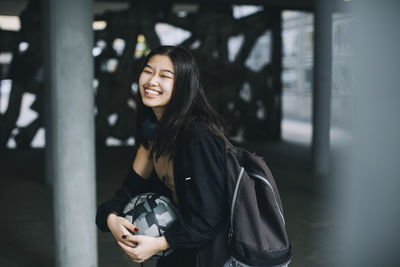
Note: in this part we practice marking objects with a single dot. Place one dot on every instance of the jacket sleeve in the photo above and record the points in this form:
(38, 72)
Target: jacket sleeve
(132, 185)
(203, 207)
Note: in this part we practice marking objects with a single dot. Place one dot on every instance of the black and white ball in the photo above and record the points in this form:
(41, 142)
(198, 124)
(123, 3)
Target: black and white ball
(151, 213)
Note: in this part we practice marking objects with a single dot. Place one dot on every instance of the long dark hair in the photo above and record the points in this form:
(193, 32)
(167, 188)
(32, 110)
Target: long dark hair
(188, 104)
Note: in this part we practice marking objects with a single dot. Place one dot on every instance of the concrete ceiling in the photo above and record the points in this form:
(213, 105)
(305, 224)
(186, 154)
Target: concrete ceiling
(14, 7)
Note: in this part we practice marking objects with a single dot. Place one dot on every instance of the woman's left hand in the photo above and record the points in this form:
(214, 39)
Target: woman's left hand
(146, 247)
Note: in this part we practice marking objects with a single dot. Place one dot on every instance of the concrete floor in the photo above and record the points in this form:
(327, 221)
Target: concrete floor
(26, 224)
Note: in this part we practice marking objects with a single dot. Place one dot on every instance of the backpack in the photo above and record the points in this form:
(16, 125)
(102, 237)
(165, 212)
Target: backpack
(257, 234)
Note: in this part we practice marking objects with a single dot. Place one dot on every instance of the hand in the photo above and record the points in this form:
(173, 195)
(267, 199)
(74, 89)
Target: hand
(146, 246)
(120, 227)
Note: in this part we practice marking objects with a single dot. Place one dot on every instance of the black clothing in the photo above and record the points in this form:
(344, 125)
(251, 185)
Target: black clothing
(199, 176)
(179, 258)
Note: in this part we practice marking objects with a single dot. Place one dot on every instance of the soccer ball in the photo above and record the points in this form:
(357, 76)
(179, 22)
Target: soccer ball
(152, 213)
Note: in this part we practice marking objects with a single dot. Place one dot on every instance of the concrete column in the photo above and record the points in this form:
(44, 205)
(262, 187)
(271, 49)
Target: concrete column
(322, 87)
(72, 141)
(49, 179)
(369, 176)
(277, 71)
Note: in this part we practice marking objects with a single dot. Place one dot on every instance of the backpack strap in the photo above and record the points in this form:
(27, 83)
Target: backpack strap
(238, 181)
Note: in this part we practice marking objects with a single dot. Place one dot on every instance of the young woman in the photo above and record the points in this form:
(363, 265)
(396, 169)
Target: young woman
(179, 138)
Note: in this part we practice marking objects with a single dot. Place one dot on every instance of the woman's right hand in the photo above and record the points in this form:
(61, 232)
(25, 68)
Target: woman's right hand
(119, 227)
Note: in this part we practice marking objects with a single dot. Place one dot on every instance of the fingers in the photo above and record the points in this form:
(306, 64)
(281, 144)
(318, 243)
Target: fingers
(126, 248)
(122, 237)
(126, 239)
(130, 252)
(129, 226)
(133, 238)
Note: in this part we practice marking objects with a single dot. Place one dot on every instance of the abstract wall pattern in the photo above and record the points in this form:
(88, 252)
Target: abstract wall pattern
(248, 97)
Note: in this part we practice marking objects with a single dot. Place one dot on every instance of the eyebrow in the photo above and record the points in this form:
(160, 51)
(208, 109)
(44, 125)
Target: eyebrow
(170, 71)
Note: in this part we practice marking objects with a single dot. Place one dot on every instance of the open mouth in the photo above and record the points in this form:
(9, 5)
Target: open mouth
(152, 92)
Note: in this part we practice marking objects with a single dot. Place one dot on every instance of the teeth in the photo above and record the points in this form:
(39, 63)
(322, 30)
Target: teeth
(152, 92)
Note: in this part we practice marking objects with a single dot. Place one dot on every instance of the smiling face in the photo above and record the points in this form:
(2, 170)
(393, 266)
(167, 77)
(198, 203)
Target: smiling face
(156, 83)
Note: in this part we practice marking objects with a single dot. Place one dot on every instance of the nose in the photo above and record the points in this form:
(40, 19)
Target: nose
(153, 80)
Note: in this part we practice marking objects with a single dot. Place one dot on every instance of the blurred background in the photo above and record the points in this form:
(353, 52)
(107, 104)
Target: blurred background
(264, 92)
(295, 82)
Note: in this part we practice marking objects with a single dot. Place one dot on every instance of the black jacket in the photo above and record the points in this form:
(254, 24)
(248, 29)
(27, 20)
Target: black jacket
(199, 175)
